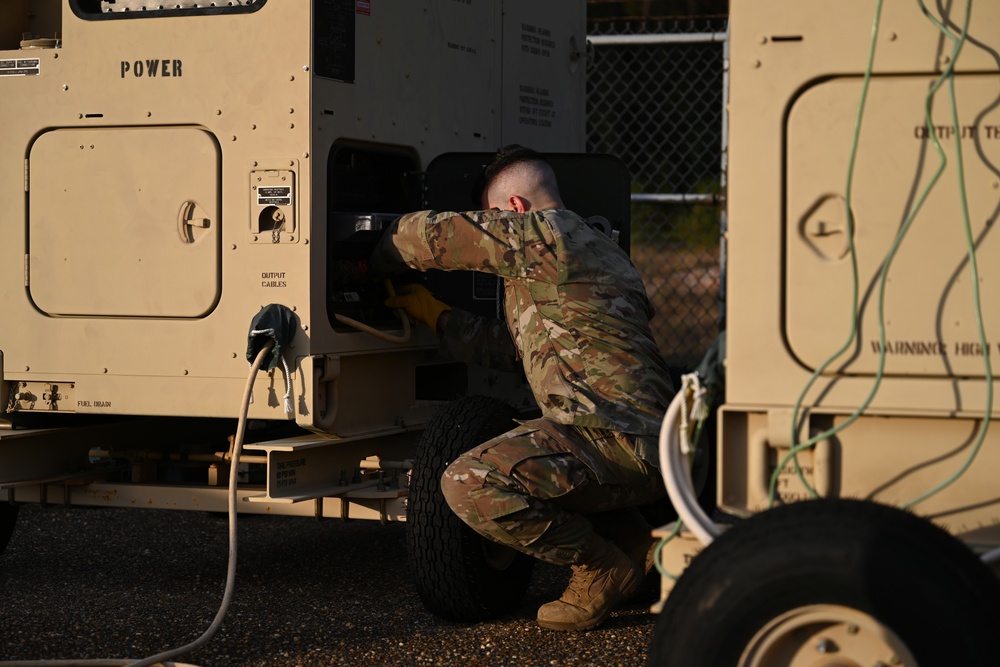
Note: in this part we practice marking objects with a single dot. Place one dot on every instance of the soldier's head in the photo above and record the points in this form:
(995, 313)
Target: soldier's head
(519, 179)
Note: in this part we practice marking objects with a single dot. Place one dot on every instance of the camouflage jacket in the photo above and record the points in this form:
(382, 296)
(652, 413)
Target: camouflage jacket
(575, 307)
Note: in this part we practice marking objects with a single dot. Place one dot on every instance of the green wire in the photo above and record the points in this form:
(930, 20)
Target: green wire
(947, 74)
(973, 267)
(854, 270)
(659, 549)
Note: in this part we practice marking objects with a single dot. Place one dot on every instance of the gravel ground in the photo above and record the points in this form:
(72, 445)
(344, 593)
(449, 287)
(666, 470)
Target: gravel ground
(127, 583)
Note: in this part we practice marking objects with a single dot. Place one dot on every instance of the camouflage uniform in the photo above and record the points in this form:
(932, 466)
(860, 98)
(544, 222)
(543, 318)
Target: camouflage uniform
(578, 316)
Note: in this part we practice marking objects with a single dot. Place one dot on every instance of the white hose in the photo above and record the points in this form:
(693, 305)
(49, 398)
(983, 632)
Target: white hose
(676, 473)
(991, 556)
(227, 597)
(98, 662)
(404, 320)
(361, 326)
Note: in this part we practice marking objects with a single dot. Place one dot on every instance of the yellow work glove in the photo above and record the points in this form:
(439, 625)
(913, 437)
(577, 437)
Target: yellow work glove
(419, 304)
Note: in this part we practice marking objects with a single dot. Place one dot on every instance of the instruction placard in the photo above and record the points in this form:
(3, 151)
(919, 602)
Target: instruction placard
(20, 66)
(274, 195)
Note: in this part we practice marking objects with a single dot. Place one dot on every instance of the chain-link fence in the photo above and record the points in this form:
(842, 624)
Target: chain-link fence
(655, 100)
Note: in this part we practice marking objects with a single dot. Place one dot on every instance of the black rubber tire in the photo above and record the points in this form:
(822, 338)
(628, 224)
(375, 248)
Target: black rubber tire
(8, 519)
(459, 575)
(904, 572)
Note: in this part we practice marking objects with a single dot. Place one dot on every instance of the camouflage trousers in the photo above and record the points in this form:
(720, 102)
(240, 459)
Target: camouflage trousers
(533, 487)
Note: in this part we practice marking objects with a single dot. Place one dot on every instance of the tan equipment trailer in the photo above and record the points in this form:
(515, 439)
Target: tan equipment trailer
(168, 170)
(877, 375)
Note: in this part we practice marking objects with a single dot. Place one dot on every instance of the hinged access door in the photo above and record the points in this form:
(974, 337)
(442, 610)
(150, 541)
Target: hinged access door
(124, 222)
(901, 213)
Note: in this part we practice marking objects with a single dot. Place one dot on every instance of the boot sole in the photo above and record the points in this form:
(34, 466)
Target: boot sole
(574, 627)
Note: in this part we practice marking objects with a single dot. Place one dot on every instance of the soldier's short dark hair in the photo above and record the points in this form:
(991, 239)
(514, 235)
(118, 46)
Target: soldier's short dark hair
(505, 157)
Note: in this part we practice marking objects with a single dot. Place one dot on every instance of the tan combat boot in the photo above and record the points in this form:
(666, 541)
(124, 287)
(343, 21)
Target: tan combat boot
(605, 577)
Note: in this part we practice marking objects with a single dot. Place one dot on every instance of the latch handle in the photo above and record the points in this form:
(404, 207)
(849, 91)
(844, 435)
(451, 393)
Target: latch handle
(187, 220)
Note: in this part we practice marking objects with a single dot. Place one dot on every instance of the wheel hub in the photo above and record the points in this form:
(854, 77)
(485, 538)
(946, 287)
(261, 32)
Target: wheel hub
(825, 636)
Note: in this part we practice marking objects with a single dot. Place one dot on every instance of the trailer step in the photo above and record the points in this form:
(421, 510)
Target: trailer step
(299, 469)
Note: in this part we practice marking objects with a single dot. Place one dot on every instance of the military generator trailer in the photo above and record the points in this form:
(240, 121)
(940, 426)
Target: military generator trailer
(855, 441)
(171, 170)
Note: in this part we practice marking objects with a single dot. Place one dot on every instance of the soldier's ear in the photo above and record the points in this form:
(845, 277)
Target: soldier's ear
(519, 204)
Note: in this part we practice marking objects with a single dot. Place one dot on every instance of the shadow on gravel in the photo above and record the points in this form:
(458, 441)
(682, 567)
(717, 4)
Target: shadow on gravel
(114, 583)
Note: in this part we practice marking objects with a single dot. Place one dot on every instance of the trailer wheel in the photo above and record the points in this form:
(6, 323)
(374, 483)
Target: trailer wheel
(8, 518)
(460, 576)
(831, 582)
